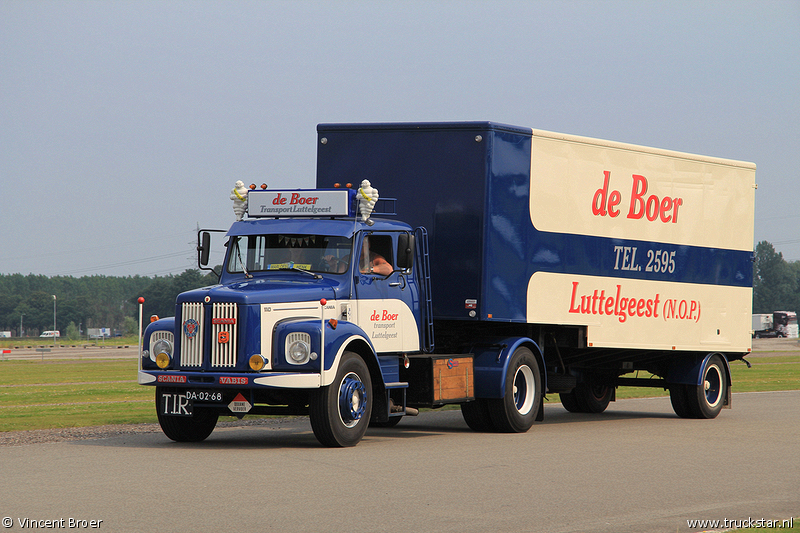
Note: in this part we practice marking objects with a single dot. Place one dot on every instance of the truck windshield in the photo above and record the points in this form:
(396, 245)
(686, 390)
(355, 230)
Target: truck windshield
(315, 253)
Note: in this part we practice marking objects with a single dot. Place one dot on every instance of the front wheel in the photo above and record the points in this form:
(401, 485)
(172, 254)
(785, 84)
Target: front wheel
(516, 411)
(340, 412)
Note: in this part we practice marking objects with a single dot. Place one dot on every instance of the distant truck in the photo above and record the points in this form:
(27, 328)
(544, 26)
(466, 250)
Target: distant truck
(777, 324)
(497, 264)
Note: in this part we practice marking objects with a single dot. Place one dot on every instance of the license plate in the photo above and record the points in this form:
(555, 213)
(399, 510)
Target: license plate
(203, 395)
(182, 403)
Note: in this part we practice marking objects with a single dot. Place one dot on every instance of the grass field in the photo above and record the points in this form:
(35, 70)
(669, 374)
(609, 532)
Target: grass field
(75, 393)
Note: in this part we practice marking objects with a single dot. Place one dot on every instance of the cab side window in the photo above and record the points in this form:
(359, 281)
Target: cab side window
(376, 255)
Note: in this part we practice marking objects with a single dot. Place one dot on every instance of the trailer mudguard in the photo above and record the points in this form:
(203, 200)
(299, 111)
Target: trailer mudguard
(491, 364)
(689, 370)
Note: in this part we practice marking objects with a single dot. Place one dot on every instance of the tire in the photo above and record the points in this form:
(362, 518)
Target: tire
(593, 398)
(587, 397)
(516, 411)
(707, 400)
(702, 401)
(340, 413)
(195, 428)
(680, 401)
(476, 415)
(570, 402)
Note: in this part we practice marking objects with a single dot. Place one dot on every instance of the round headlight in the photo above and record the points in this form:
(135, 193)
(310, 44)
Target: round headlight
(299, 352)
(298, 348)
(162, 353)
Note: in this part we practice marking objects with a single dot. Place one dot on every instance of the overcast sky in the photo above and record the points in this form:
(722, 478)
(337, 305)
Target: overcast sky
(124, 125)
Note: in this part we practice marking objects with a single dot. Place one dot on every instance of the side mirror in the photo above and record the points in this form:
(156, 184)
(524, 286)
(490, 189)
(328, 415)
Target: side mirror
(405, 251)
(203, 248)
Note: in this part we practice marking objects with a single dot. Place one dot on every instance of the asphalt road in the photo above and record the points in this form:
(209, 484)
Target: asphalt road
(636, 468)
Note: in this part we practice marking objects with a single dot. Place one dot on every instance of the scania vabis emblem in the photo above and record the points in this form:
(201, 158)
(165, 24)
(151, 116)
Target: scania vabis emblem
(190, 328)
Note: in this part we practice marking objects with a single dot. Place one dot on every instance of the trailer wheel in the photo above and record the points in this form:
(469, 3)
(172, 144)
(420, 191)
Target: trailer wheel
(587, 397)
(516, 411)
(193, 428)
(680, 401)
(570, 402)
(706, 400)
(592, 397)
(340, 412)
(476, 415)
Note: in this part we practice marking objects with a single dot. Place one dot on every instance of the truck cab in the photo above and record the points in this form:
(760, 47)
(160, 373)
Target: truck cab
(312, 315)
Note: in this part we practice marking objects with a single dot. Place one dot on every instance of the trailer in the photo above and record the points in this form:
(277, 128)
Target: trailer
(497, 264)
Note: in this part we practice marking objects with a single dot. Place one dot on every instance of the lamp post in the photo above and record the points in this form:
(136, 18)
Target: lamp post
(54, 321)
(20, 323)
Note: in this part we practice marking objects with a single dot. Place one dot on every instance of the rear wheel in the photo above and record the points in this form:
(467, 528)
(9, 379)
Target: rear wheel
(516, 411)
(593, 398)
(707, 399)
(340, 412)
(476, 415)
(587, 397)
(680, 401)
(193, 428)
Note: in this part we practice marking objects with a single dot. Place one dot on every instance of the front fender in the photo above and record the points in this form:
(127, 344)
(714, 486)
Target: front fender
(163, 324)
(491, 364)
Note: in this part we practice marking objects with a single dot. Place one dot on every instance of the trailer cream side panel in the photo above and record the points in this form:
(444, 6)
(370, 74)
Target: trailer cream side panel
(659, 215)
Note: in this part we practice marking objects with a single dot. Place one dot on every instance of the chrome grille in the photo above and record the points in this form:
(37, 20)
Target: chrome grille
(161, 335)
(192, 334)
(224, 317)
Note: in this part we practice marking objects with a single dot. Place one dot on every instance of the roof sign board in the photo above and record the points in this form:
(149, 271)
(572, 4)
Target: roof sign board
(298, 203)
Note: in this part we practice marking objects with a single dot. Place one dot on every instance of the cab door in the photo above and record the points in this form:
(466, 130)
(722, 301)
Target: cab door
(387, 298)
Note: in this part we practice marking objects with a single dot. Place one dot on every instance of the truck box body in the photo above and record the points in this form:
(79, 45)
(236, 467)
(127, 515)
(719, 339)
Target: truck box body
(641, 248)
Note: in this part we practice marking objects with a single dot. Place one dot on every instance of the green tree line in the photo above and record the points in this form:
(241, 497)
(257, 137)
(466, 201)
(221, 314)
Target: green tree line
(89, 301)
(776, 282)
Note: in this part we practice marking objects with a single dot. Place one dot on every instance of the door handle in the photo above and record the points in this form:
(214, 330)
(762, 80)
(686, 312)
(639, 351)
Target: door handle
(401, 282)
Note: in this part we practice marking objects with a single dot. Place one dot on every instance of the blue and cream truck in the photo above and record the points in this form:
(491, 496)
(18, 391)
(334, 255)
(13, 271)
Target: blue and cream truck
(472, 263)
